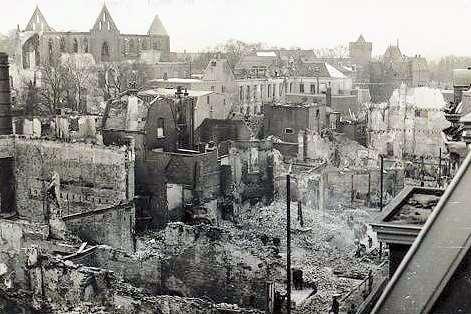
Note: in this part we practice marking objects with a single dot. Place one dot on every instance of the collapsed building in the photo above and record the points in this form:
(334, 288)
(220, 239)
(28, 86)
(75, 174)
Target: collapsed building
(410, 124)
(68, 218)
(176, 170)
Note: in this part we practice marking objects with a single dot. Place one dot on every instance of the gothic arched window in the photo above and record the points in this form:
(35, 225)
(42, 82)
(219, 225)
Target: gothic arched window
(105, 52)
(50, 47)
(75, 45)
(85, 45)
(131, 45)
(62, 44)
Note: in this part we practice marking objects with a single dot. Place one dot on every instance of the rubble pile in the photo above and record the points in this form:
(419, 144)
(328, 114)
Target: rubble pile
(323, 248)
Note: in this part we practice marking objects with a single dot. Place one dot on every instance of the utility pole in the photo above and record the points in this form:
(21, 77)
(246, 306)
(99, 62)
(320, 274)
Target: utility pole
(439, 179)
(288, 242)
(381, 182)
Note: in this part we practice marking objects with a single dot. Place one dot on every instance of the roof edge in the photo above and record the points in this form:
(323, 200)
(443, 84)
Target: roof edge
(415, 246)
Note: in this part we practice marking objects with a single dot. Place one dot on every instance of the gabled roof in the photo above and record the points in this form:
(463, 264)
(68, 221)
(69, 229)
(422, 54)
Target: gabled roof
(361, 39)
(218, 70)
(320, 69)
(104, 21)
(392, 53)
(248, 62)
(436, 253)
(38, 23)
(157, 28)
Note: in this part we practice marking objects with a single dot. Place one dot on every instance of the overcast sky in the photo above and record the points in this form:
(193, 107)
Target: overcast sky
(427, 27)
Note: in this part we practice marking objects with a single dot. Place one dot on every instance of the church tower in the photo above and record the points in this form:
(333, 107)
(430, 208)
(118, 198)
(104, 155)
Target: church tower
(360, 51)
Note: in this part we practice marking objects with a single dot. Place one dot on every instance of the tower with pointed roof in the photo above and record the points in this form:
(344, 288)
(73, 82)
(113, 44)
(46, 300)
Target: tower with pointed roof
(360, 51)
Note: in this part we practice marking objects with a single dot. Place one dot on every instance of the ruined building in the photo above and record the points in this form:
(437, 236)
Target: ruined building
(68, 237)
(39, 41)
(411, 123)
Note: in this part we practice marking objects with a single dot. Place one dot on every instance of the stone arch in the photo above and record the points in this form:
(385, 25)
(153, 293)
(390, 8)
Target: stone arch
(105, 52)
(30, 52)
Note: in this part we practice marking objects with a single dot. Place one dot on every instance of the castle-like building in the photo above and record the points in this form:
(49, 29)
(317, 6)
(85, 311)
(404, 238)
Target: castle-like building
(386, 73)
(360, 51)
(38, 42)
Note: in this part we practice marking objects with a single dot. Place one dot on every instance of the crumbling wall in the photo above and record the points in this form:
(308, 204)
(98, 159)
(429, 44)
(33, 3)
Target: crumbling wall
(17, 234)
(140, 271)
(187, 261)
(66, 284)
(113, 226)
(197, 173)
(91, 177)
(252, 170)
(348, 186)
(318, 147)
(173, 304)
(411, 123)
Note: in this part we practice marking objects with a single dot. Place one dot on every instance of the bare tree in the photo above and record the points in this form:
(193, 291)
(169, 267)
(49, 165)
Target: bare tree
(83, 80)
(340, 52)
(118, 77)
(55, 82)
(62, 83)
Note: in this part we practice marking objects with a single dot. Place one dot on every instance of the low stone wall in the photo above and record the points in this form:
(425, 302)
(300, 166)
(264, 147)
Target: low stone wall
(112, 226)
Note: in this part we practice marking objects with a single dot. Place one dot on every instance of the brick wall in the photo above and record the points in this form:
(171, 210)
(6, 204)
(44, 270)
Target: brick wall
(91, 177)
(297, 118)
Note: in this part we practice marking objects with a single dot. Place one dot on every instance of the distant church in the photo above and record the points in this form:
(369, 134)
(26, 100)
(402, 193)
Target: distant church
(39, 42)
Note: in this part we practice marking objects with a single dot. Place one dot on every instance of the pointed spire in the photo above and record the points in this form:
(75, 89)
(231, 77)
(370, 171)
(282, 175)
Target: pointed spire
(38, 23)
(361, 39)
(104, 21)
(157, 28)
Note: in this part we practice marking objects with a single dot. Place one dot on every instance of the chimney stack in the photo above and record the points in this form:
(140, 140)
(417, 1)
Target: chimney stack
(5, 96)
(328, 96)
(7, 178)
